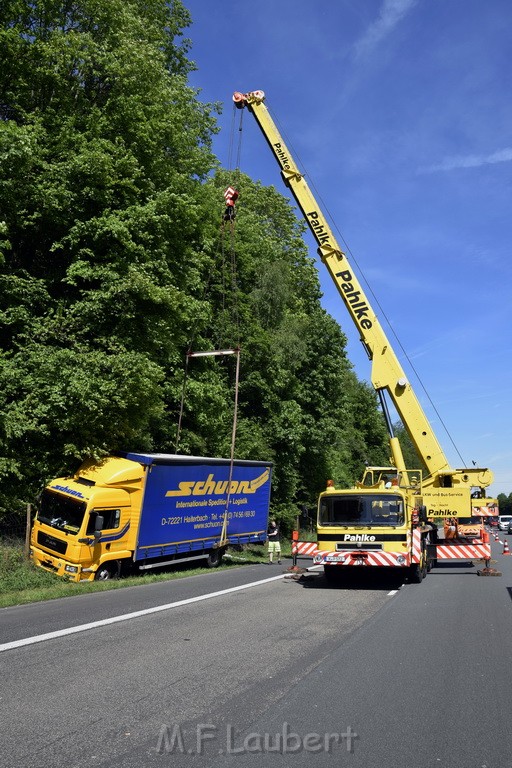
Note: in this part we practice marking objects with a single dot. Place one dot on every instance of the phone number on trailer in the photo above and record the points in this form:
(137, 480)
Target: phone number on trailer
(179, 519)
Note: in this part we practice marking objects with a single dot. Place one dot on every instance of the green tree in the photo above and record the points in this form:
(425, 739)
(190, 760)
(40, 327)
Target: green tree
(103, 150)
(505, 503)
(113, 265)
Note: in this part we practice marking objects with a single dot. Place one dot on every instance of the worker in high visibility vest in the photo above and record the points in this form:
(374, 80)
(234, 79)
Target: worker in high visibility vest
(450, 528)
(231, 196)
(274, 542)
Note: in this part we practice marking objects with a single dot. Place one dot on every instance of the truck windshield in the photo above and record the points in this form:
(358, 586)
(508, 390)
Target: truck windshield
(61, 512)
(364, 510)
(469, 520)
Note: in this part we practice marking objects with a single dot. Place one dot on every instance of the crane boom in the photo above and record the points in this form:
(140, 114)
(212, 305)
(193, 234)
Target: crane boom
(387, 374)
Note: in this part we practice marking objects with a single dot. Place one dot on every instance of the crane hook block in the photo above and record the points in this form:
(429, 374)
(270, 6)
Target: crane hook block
(241, 99)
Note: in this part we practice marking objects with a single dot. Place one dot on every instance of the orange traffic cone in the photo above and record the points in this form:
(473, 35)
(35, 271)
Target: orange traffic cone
(505, 548)
(496, 537)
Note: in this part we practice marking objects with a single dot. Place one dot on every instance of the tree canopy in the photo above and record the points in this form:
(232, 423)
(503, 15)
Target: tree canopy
(112, 265)
(505, 503)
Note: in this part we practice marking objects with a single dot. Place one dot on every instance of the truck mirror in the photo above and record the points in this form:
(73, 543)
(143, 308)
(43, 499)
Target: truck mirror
(98, 526)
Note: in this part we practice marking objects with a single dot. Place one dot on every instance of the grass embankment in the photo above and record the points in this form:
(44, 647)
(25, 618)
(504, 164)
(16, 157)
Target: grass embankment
(21, 582)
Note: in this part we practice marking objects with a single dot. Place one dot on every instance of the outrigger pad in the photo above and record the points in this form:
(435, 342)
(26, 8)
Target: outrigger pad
(489, 572)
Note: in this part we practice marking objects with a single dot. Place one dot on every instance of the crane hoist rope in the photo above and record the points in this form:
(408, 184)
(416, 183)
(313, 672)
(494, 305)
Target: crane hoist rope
(235, 113)
(231, 321)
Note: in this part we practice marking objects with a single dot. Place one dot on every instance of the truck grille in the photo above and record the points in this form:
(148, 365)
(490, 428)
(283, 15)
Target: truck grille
(51, 543)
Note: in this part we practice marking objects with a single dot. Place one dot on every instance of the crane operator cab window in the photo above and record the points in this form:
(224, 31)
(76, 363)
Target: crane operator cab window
(367, 510)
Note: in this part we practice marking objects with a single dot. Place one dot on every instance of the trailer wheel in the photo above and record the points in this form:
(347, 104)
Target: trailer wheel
(214, 558)
(107, 572)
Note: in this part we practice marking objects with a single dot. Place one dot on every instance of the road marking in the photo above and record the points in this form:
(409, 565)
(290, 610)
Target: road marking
(128, 616)
(393, 592)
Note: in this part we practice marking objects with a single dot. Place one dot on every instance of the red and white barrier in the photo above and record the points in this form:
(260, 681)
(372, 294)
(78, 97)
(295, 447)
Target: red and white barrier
(309, 548)
(416, 546)
(462, 551)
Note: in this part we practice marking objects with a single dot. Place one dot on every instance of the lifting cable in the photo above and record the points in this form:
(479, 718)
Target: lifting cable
(228, 218)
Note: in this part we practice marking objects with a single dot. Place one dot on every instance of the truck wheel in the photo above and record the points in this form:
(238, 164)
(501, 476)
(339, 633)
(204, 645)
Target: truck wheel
(214, 558)
(416, 574)
(107, 572)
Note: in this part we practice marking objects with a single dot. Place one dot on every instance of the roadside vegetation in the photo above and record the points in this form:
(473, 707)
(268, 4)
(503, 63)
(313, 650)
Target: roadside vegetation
(21, 582)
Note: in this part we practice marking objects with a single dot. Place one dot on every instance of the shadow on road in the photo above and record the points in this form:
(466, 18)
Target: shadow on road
(361, 580)
(444, 569)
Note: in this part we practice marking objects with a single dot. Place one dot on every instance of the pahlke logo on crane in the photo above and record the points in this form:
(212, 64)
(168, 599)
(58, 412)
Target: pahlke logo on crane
(364, 537)
(321, 233)
(360, 308)
(213, 487)
(285, 160)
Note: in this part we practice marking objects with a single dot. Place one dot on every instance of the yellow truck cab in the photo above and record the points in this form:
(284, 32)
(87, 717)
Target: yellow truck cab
(84, 522)
(378, 523)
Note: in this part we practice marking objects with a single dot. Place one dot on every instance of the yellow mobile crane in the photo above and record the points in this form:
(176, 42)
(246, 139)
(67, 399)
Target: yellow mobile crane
(387, 519)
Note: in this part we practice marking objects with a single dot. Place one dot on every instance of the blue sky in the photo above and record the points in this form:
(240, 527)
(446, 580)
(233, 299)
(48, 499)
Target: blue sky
(400, 113)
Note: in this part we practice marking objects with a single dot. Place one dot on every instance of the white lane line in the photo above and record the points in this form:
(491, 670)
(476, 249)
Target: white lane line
(393, 592)
(128, 616)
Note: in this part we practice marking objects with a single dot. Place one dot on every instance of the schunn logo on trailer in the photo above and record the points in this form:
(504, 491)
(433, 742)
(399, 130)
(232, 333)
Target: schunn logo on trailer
(212, 487)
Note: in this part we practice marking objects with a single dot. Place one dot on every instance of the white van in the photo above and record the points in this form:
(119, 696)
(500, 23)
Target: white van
(503, 521)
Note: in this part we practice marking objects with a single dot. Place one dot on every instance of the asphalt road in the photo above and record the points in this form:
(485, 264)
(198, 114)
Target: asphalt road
(364, 674)
(54, 615)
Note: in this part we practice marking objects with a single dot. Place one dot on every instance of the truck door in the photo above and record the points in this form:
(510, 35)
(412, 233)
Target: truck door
(113, 533)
